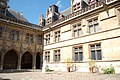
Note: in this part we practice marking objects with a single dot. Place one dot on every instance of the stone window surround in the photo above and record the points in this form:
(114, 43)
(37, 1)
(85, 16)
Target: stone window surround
(14, 35)
(78, 52)
(30, 38)
(47, 38)
(77, 28)
(58, 55)
(47, 56)
(92, 18)
(94, 44)
(58, 35)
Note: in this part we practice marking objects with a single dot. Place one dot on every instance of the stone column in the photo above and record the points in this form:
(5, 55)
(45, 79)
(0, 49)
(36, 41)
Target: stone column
(34, 62)
(1, 63)
(19, 61)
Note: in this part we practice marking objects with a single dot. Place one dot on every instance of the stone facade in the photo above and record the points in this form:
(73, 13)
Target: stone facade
(20, 42)
(91, 32)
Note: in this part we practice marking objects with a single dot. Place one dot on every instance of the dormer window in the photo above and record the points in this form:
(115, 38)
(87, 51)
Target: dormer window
(77, 6)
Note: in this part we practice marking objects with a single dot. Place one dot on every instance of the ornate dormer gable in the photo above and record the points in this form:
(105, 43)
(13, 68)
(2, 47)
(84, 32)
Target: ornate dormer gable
(93, 1)
(52, 14)
(78, 4)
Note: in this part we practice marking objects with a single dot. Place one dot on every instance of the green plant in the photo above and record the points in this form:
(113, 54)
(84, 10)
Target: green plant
(47, 69)
(109, 70)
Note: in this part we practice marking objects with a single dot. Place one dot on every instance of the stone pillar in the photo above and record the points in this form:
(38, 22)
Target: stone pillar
(1, 63)
(34, 62)
(19, 61)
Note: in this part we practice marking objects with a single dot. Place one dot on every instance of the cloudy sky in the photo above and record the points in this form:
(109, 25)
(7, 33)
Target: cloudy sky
(32, 9)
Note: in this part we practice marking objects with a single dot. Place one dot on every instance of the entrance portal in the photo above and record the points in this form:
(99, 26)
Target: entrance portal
(38, 58)
(10, 60)
(26, 62)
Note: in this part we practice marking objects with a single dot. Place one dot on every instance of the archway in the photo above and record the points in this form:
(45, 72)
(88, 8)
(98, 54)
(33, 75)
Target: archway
(26, 62)
(38, 61)
(10, 60)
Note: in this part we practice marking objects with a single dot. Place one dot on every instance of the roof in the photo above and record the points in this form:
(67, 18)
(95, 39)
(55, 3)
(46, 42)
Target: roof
(66, 11)
(16, 15)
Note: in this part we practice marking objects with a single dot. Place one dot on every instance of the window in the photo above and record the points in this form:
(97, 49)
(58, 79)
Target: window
(57, 55)
(29, 38)
(15, 35)
(57, 36)
(40, 39)
(77, 30)
(96, 52)
(78, 52)
(1, 32)
(93, 25)
(47, 56)
(77, 7)
(47, 39)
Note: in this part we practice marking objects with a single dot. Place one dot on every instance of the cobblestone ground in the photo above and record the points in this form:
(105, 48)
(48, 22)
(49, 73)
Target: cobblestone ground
(38, 75)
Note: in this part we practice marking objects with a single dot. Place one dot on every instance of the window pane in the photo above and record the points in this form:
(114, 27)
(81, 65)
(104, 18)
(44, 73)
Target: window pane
(92, 46)
(80, 56)
(98, 46)
(58, 57)
(79, 32)
(96, 27)
(76, 49)
(80, 49)
(99, 56)
(75, 33)
(76, 56)
(91, 29)
(93, 56)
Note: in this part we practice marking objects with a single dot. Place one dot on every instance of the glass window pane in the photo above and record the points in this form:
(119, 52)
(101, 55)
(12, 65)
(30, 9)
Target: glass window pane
(76, 56)
(79, 32)
(93, 56)
(92, 46)
(98, 46)
(80, 49)
(91, 29)
(76, 49)
(99, 56)
(81, 56)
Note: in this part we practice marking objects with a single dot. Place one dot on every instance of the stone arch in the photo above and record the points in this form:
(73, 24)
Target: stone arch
(38, 60)
(26, 60)
(10, 60)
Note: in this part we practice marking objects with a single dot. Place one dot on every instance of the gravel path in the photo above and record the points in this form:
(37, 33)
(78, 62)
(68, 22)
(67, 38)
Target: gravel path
(38, 75)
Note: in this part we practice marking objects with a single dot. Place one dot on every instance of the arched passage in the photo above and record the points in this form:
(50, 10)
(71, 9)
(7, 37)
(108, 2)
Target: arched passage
(38, 61)
(26, 62)
(10, 60)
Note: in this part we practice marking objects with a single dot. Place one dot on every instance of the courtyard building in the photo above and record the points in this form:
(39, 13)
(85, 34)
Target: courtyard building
(20, 41)
(89, 29)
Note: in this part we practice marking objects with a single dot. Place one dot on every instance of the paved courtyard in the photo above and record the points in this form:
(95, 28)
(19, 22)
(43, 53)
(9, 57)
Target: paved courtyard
(38, 75)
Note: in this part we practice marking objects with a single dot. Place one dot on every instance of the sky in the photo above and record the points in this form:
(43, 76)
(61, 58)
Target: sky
(32, 9)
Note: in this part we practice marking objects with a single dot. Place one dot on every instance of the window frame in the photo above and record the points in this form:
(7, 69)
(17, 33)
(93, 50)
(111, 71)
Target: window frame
(91, 23)
(78, 28)
(78, 53)
(47, 56)
(57, 36)
(95, 49)
(57, 55)
(47, 38)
